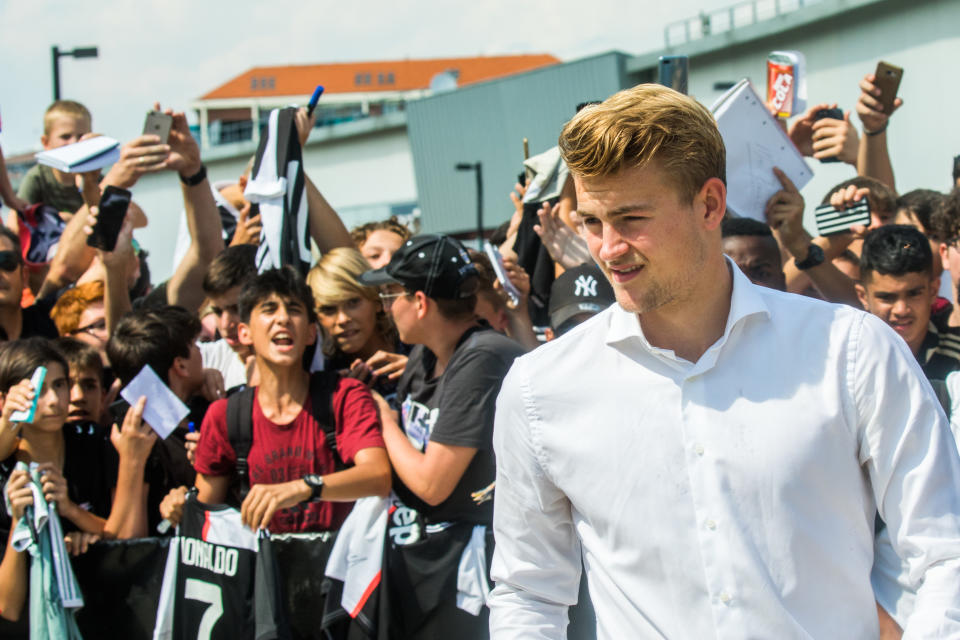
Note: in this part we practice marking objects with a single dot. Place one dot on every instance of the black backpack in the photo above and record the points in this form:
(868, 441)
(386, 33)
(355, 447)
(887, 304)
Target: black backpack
(240, 423)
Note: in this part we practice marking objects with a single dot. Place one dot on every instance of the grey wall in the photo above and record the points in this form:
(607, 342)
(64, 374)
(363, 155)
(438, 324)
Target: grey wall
(487, 123)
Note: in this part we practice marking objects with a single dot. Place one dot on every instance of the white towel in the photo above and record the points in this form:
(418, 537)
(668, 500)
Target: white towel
(473, 587)
(357, 554)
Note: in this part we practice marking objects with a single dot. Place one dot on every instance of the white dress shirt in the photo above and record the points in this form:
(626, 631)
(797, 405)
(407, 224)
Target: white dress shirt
(733, 497)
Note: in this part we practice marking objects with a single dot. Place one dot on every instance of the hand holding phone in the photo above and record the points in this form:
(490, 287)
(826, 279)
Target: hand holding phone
(887, 78)
(158, 124)
(832, 114)
(113, 209)
(831, 221)
(36, 381)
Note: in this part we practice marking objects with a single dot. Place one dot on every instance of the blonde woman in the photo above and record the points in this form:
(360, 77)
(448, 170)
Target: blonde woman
(358, 336)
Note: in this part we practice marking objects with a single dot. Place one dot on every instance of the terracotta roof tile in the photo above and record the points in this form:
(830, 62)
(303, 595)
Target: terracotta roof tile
(388, 75)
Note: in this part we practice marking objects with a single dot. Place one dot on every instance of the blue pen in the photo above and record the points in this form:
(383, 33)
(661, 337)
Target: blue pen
(314, 99)
(191, 427)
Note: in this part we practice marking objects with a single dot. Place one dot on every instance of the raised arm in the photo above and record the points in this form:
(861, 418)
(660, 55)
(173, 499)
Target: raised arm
(784, 214)
(203, 218)
(873, 159)
(133, 441)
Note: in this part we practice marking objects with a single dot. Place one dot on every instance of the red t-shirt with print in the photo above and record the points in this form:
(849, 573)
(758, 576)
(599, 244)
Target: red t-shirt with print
(284, 452)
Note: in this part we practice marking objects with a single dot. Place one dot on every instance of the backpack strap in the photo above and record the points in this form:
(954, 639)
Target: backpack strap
(240, 433)
(322, 385)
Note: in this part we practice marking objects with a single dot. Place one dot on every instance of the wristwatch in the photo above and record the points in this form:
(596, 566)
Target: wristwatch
(315, 482)
(814, 257)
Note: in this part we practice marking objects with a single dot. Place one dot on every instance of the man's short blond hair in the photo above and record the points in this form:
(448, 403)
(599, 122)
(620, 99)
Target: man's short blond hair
(64, 108)
(646, 123)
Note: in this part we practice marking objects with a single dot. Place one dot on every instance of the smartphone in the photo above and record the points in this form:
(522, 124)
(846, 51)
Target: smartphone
(113, 208)
(833, 114)
(887, 79)
(158, 124)
(831, 222)
(500, 270)
(673, 72)
(118, 411)
(36, 381)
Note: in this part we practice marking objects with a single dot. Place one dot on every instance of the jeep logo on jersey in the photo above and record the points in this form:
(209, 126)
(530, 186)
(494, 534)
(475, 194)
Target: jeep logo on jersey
(586, 286)
(418, 421)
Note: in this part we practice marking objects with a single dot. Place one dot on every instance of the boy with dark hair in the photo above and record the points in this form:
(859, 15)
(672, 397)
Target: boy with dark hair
(442, 449)
(165, 339)
(897, 285)
(222, 284)
(750, 244)
(296, 483)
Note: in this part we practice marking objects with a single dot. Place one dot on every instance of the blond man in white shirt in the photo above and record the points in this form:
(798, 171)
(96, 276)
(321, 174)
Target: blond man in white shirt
(714, 451)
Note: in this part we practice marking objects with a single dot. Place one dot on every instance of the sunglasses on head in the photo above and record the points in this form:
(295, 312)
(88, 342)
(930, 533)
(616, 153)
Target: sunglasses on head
(9, 260)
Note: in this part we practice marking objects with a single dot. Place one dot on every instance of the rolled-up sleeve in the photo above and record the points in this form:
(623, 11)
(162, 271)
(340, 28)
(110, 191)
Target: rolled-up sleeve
(536, 564)
(914, 467)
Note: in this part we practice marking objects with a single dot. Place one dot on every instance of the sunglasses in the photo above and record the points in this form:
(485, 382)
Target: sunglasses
(9, 261)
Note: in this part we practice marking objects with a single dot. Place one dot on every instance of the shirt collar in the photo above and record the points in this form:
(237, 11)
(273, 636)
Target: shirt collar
(746, 300)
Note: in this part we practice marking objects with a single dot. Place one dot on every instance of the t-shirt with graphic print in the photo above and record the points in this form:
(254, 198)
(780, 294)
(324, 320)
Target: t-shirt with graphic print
(284, 452)
(457, 409)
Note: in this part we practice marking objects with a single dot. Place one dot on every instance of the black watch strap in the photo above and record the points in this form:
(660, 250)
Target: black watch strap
(196, 178)
(814, 257)
(315, 482)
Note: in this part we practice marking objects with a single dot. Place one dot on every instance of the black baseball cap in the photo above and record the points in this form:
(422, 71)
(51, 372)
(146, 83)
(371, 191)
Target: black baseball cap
(435, 264)
(582, 289)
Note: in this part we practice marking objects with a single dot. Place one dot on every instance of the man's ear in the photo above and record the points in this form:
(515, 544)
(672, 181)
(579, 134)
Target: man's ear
(862, 295)
(44, 139)
(944, 251)
(244, 335)
(935, 286)
(179, 368)
(423, 304)
(713, 199)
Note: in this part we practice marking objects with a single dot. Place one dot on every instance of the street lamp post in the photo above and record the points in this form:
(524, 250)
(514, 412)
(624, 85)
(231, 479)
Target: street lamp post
(80, 52)
(478, 168)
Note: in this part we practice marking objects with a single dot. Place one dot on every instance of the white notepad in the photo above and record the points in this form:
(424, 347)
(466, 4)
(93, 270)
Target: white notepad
(164, 410)
(88, 155)
(755, 145)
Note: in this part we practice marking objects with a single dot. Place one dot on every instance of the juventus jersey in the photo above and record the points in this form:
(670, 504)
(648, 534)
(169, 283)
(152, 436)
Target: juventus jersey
(208, 583)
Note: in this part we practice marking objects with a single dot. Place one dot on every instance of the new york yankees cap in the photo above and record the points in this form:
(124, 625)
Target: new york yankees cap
(583, 289)
(436, 264)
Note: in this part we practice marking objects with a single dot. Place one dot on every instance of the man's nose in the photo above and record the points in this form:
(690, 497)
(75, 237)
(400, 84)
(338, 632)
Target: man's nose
(612, 245)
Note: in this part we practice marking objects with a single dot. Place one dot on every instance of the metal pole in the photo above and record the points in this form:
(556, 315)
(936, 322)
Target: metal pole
(479, 169)
(55, 52)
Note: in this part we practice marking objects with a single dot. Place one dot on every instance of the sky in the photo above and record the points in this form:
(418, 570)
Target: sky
(176, 50)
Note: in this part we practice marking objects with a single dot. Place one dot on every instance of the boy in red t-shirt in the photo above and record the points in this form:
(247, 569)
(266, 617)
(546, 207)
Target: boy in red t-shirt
(293, 485)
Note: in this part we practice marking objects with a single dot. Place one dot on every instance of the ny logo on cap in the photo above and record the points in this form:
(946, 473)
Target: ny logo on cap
(586, 286)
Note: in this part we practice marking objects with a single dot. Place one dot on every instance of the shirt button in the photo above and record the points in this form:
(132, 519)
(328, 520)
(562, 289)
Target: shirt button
(725, 597)
(698, 449)
(712, 525)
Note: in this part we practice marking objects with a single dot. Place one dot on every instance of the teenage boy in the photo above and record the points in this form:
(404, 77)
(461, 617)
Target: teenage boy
(222, 284)
(897, 285)
(751, 245)
(442, 449)
(294, 486)
(165, 339)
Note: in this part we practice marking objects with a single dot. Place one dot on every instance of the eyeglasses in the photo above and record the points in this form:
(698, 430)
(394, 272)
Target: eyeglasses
(9, 261)
(387, 298)
(93, 327)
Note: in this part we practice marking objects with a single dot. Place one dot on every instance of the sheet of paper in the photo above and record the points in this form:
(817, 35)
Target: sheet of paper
(87, 155)
(164, 410)
(755, 145)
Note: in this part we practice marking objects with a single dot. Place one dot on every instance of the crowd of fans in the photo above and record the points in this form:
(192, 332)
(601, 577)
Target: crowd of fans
(376, 373)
